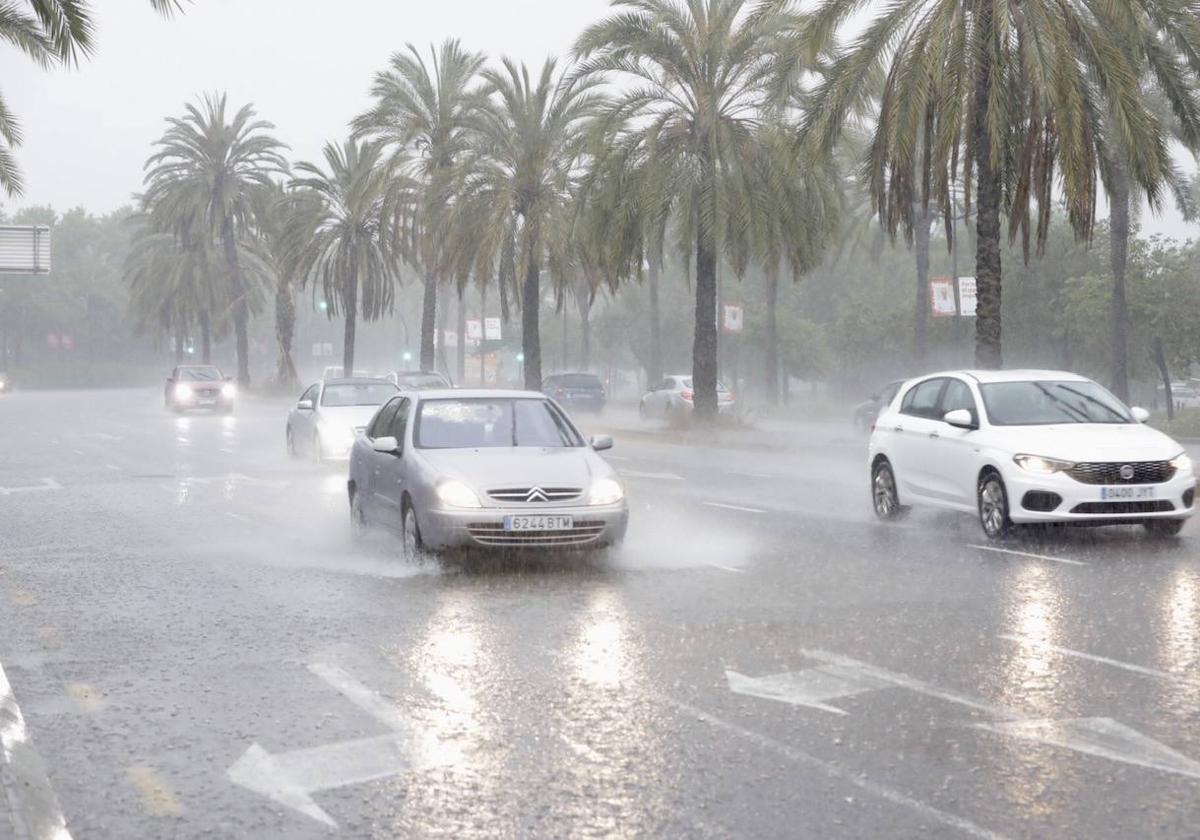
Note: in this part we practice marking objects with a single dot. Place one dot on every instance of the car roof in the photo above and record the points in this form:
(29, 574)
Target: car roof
(419, 373)
(478, 393)
(1018, 375)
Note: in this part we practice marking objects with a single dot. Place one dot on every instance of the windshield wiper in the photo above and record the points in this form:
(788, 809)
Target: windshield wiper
(1092, 399)
(1082, 415)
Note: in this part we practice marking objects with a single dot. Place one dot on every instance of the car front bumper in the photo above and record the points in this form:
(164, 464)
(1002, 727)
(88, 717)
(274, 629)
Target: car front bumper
(211, 404)
(593, 526)
(1083, 503)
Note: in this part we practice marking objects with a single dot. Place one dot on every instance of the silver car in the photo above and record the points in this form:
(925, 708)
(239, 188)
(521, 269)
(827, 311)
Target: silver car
(329, 414)
(484, 469)
(673, 398)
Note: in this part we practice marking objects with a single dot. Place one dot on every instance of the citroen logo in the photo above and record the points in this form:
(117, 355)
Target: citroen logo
(536, 495)
(1127, 472)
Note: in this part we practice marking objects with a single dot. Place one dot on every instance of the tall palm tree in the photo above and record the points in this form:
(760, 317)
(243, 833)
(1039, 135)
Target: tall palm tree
(203, 182)
(343, 233)
(693, 73)
(51, 32)
(425, 111)
(1009, 97)
(529, 142)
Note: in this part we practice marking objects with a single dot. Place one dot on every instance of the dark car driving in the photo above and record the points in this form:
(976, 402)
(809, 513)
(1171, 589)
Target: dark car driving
(582, 391)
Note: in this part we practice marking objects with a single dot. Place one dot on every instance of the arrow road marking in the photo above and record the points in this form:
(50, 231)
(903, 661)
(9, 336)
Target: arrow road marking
(840, 676)
(367, 699)
(46, 484)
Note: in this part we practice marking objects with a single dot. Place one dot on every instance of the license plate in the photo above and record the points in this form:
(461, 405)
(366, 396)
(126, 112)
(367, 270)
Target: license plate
(207, 400)
(538, 523)
(1126, 494)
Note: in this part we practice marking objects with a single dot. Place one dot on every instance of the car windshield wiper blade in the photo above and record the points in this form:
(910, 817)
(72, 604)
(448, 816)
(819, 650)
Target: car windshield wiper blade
(1092, 399)
(1070, 409)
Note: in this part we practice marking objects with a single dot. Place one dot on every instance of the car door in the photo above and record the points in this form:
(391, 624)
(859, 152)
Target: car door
(915, 431)
(955, 463)
(369, 469)
(303, 424)
(388, 482)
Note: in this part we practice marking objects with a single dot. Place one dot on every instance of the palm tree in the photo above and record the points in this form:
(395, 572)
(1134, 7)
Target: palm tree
(529, 141)
(203, 183)
(278, 208)
(1009, 97)
(425, 111)
(169, 288)
(50, 32)
(693, 99)
(343, 233)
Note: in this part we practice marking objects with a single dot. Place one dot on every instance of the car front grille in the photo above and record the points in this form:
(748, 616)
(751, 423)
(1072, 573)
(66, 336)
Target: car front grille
(493, 534)
(535, 495)
(1158, 506)
(1144, 472)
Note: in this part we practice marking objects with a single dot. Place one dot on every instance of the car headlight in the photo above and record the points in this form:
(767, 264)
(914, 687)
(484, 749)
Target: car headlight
(228, 391)
(456, 494)
(335, 432)
(606, 491)
(183, 391)
(1042, 466)
(1182, 462)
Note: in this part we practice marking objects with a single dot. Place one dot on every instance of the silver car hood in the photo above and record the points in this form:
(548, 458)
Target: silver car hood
(513, 467)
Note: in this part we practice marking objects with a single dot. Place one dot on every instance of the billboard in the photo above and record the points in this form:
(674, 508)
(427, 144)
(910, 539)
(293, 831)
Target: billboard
(474, 329)
(966, 297)
(24, 249)
(941, 297)
(732, 317)
(491, 329)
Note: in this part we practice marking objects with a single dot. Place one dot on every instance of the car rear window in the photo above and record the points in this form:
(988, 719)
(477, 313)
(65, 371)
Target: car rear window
(580, 380)
(687, 383)
(365, 393)
(485, 423)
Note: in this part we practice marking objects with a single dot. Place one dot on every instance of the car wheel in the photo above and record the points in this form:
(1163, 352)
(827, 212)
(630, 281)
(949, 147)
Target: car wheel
(993, 507)
(358, 518)
(1163, 527)
(883, 492)
(414, 550)
(291, 443)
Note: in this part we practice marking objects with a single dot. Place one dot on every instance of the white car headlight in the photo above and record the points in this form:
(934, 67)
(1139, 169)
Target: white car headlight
(183, 391)
(1042, 466)
(1182, 462)
(456, 494)
(606, 491)
(228, 391)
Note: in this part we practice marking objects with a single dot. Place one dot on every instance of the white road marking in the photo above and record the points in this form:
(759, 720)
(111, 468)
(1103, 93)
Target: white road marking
(724, 506)
(615, 458)
(1104, 660)
(23, 778)
(1103, 737)
(235, 478)
(238, 516)
(832, 770)
(750, 474)
(78, 452)
(661, 476)
(811, 687)
(99, 436)
(112, 467)
(367, 699)
(727, 568)
(46, 484)
(1048, 557)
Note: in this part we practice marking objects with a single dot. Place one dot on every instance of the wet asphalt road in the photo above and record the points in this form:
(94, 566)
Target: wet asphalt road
(197, 650)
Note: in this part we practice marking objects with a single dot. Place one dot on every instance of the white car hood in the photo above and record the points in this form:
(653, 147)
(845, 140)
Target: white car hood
(352, 416)
(512, 467)
(1089, 442)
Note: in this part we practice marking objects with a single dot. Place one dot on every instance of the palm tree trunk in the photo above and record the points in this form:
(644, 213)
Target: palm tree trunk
(350, 301)
(1160, 361)
(241, 307)
(704, 344)
(178, 348)
(285, 329)
(772, 350)
(1118, 233)
(988, 352)
(443, 312)
(461, 368)
(428, 321)
(206, 336)
(654, 372)
(921, 303)
(585, 332)
(531, 298)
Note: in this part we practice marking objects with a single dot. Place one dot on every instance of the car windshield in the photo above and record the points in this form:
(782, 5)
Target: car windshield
(357, 393)
(200, 374)
(490, 422)
(420, 380)
(1048, 403)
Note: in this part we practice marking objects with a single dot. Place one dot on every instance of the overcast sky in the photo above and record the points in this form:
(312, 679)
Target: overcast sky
(307, 67)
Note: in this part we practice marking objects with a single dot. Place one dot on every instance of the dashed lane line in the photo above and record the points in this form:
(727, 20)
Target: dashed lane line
(1103, 660)
(724, 506)
(727, 568)
(660, 476)
(23, 780)
(1046, 557)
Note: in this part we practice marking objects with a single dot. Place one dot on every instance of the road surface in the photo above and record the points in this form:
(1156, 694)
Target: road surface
(190, 646)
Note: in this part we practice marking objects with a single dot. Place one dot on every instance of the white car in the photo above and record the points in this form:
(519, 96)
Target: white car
(331, 412)
(673, 397)
(1027, 446)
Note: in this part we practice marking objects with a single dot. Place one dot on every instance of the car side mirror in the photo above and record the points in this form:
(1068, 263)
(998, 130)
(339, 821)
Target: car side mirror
(960, 418)
(1140, 414)
(305, 405)
(601, 442)
(386, 445)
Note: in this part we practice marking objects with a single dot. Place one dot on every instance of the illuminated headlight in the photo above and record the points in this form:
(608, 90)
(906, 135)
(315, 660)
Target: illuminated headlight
(1040, 465)
(336, 433)
(228, 391)
(606, 491)
(456, 494)
(183, 391)
(1182, 462)
(3, 384)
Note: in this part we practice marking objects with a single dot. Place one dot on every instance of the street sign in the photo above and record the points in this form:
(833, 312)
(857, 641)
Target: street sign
(941, 297)
(491, 329)
(474, 329)
(966, 297)
(24, 249)
(732, 316)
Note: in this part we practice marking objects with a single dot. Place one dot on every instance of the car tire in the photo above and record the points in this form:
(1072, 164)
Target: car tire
(358, 519)
(992, 500)
(884, 496)
(1162, 528)
(642, 410)
(413, 548)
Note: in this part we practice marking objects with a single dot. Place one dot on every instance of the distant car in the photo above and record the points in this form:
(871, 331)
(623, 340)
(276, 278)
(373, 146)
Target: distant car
(1026, 446)
(330, 413)
(5, 384)
(582, 391)
(673, 397)
(199, 386)
(866, 411)
(484, 469)
(1183, 394)
(418, 380)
